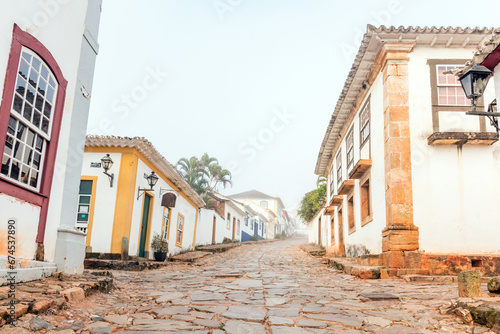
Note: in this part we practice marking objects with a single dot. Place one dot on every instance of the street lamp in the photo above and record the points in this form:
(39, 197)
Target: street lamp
(321, 201)
(474, 83)
(152, 179)
(107, 162)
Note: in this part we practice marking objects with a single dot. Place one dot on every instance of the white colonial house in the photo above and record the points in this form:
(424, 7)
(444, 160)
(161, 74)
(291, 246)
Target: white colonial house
(47, 58)
(409, 173)
(118, 203)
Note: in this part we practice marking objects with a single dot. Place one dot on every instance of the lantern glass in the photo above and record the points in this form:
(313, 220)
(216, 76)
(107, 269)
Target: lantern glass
(107, 162)
(152, 179)
(474, 81)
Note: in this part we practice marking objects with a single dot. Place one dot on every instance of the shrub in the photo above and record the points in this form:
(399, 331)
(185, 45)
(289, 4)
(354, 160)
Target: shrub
(158, 244)
(254, 238)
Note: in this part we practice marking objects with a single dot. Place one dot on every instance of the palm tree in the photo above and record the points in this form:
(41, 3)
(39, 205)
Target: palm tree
(218, 175)
(203, 174)
(191, 171)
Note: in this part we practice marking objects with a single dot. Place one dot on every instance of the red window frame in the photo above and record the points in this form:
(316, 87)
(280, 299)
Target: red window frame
(40, 198)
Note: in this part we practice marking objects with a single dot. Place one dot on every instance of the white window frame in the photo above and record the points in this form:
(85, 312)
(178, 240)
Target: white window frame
(457, 85)
(18, 116)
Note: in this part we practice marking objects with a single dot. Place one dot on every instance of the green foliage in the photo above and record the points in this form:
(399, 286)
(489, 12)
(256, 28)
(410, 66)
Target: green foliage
(309, 205)
(280, 235)
(254, 238)
(158, 244)
(204, 174)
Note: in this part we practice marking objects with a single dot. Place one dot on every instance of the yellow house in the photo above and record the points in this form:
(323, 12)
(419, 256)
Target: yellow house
(118, 202)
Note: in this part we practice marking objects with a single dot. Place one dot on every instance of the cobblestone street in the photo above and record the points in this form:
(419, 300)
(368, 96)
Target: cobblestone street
(261, 288)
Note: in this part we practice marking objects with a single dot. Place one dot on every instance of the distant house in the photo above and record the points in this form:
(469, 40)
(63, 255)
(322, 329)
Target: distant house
(46, 74)
(280, 222)
(124, 206)
(408, 172)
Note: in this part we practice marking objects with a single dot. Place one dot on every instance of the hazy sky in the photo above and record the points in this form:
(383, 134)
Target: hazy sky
(251, 82)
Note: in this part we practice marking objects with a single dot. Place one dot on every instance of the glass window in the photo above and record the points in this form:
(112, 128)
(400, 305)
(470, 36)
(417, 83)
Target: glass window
(30, 121)
(84, 202)
(350, 148)
(449, 90)
(364, 123)
(166, 214)
(264, 204)
(339, 168)
(180, 226)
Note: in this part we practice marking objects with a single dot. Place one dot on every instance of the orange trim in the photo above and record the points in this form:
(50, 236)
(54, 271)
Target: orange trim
(195, 227)
(177, 230)
(125, 196)
(92, 206)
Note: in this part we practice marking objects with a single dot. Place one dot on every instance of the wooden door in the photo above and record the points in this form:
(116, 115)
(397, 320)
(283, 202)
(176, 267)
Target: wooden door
(144, 225)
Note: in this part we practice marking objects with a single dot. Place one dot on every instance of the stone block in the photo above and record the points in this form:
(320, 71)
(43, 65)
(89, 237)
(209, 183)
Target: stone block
(494, 285)
(392, 259)
(384, 274)
(41, 306)
(124, 252)
(73, 294)
(469, 284)
(400, 240)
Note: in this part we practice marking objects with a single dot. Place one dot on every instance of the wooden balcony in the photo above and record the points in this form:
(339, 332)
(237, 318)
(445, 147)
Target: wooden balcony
(462, 138)
(346, 187)
(360, 168)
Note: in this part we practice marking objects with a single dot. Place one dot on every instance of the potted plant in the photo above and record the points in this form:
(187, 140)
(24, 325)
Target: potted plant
(160, 247)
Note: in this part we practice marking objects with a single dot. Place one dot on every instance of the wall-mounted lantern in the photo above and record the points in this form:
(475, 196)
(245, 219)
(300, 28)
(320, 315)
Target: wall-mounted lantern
(107, 162)
(321, 201)
(152, 179)
(474, 83)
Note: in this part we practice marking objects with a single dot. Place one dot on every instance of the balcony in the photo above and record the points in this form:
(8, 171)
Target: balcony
(462, 138)
(360, 168)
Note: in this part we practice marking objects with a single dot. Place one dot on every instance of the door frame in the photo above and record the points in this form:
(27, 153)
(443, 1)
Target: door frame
(148, 228)
(319, 230)
(213, 230)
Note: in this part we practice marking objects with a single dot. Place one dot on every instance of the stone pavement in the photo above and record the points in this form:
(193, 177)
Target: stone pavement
(259, 288)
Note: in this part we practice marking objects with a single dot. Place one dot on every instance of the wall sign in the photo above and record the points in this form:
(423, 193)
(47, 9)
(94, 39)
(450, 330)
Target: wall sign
(95, 165)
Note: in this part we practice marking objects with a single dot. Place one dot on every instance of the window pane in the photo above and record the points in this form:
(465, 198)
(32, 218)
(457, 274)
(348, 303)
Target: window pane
(30, 96)
(18, 150)
(34, 178)
(52, 82)
(14, 172)
(50, 94)
(8, 145)
(45, 125)
(27, 156)
(5, 165)
(18, 103)
(25, 174)
(36, 64)
(12, 126)
(36, 160)
(20, 86)
(23, 69)
(83, 208)
(46, 109)
(42, 87)
(39, 102)
(36, 119)
(21, 132)
(39, 143)
(85, 187)
(84, 199)
(33, 78)
(27, 111)
(44, 72)
(82, 217)
(31, 138)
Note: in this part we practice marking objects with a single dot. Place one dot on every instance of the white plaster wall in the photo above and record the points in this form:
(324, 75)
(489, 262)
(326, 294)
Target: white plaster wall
(182, 206)
(105, 200)
(204, 230)
(60, 29)
(26, 216)
(246, 229)
(455, 190)
(228, 233)
(369, 235)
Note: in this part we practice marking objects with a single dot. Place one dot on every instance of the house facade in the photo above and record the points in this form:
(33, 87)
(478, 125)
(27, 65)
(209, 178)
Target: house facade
(46, 74)
(279, 222)
(405, 165)
(121, 203)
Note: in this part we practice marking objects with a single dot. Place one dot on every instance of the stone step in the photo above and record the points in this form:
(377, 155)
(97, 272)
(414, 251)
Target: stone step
(436, 279)
(27, 274)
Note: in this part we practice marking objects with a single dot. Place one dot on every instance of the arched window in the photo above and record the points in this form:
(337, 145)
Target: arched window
(264, 204)
(30, 121)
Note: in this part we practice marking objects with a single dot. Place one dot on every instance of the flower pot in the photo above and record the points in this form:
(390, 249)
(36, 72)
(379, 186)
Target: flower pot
(160, 256)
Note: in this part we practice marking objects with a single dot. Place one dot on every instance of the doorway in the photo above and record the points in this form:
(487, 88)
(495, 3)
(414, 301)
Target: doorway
(319, 231)
(144, 225)
(213, 230)
(341, 249)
